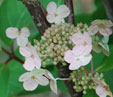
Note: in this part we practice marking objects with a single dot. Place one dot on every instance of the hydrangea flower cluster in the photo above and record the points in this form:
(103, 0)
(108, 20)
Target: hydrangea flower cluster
(57, 40)
(66, 44)
(85, 80)
(80, 54)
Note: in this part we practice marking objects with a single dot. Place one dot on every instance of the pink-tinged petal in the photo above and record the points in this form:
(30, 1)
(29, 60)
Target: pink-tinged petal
(42, 80)
(93, 29)
(33, 50)
(51, 7)
(22, 41)
(12, 32)
(74, 66)
(50, 18)
(105, 32)
(82, 50)
(69, 56)
(77, 38)
(25, 51)
(63, 11)
(30, 85)
(87, 38)
(25, 32)
(24, 77)
(29, 64)
(53, 86)
(100, 91)
(108, 31)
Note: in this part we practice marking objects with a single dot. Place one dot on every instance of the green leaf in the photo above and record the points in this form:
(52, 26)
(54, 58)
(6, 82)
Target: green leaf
(108, 76)
(107, 63)
(90, 93)
(14, 14)
(4, 81)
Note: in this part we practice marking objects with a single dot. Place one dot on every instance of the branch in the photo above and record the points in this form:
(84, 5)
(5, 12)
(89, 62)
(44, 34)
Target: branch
(108, 4)
(71, 19)
(64, 72)
(38, 14)
(11, 56)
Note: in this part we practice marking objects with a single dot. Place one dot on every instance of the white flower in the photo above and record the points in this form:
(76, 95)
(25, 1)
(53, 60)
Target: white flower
(32, 59)
(102, 27)
(33, 79)
(102, 89)
(76, 61)
(57, 15)
(101, 92)
(20, 36)
(53, 84)
(83, 43)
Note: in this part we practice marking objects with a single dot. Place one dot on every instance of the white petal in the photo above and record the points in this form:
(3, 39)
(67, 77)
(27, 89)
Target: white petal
(29, 64)
(49, 75)
(63, 11)
(12, 32)
(93, 29)
(53, 86)
(24, 77)
(58, 20)
(25, 51)
(30, 85)
(68, 56)
(37, 72)
(37, 62)
(22, 41)
(101, 92)
(51, 7)
(51, 18)
(86, 59)
(25, 32)
(74, 66)
(42, 80)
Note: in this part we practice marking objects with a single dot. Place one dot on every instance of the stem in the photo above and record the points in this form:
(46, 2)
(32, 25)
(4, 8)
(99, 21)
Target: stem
(71, 19)
(11, 56)
(87, 71)
(64, 72)
(63, 79)
(92, 67)
(108, 4)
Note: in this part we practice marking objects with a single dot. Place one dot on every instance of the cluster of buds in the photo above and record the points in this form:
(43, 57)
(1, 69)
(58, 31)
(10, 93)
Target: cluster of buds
(57, 40)
(85, 80)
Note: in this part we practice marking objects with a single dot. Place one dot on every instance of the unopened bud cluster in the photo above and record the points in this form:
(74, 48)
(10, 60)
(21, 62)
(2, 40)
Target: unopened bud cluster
(57, 40)
(84, 81)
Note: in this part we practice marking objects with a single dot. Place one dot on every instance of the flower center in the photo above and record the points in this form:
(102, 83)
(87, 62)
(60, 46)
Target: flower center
(56, 14)
(19, 32)
(101, 26)
(33, 77)
(85, 43)
(78, 59)
(32, 56)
